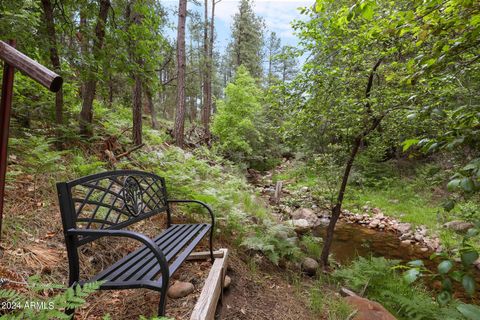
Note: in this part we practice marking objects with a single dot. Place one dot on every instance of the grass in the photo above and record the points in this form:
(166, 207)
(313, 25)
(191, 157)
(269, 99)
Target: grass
(400, 199)
(326, 304)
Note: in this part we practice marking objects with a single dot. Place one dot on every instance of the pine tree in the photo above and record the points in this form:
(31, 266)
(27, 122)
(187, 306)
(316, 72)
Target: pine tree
(247, 33)
(273, 49)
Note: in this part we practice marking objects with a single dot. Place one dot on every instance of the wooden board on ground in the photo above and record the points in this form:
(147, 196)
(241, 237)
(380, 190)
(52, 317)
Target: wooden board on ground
(207, 302)
(203, 255)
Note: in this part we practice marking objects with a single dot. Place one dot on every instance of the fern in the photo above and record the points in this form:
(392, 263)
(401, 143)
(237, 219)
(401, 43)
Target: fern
(51, 308)
(274, 242)
(378, 278)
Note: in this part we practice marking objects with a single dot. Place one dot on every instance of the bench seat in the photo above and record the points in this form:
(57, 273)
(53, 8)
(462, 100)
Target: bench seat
(140, 269)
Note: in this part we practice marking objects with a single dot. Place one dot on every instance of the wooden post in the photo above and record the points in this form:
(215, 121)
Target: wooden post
(49, 79)
(5, 108)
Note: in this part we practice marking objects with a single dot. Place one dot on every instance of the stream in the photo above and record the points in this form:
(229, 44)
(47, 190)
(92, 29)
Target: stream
(353, 240)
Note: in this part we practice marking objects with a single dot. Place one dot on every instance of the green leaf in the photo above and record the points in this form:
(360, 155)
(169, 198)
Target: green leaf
(368, 12)
(453, 184)
(469, 311)
(469, 257)
(444, 297)
(408, 143)
(445, 266)
(448, 205)
(411, 275)
(472, 232)
(416, 263)
(456, 275)
(467, 184)
(468, 284)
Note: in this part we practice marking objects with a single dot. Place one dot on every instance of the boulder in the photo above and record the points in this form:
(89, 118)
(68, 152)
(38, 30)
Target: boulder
(368, 310)
(458, 226)
(300, 225)
(310, 266)
(307, 214)
(180, 289)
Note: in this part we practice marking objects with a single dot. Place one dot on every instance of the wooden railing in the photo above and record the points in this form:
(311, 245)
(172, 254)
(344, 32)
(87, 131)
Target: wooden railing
(14, 59)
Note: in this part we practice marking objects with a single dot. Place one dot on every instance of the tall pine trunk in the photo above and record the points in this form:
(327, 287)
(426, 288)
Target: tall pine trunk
(179, 128)
(54, 59)
(206, 74)
(151, 108)
(90, 85)
(137, 111)
(134, 17)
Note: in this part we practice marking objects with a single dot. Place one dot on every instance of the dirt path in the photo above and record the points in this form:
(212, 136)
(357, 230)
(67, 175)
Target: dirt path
(261, 294)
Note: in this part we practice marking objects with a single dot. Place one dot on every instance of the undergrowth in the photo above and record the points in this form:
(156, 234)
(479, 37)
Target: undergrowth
(379, 281)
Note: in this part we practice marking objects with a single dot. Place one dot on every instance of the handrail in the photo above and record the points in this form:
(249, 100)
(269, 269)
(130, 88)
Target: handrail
(49, 79)
(32, 68)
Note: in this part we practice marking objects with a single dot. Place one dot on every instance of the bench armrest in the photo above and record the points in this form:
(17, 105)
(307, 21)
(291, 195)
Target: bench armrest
(200, 203)
(149, 243)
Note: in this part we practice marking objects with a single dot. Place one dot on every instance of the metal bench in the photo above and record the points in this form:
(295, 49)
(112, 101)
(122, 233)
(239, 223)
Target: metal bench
(102, 205)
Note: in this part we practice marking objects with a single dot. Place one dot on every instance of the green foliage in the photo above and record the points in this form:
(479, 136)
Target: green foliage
(448, 270)
(34, 307)
(37, 154)
(311, 245)
(275, 241)
(380, 281)
(236, 118)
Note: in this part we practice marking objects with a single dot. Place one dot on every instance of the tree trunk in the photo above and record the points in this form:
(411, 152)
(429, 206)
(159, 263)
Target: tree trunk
(151, 108)
(206, 77)
(86, 114)
(137, 111)
(178, 130)
(337, 209)
(55, 60)
(134, 17)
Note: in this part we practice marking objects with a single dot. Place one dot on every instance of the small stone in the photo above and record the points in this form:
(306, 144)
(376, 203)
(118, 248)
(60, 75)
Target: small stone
(226, 282)
(310, 266)
(418, 237)
(381, 226)
(304, 189)
(424, 249)
(374, 223)
(404, 227)
(406, 243)
(180, 289)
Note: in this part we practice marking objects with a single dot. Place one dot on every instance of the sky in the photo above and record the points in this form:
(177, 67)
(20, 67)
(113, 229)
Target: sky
(277, 14)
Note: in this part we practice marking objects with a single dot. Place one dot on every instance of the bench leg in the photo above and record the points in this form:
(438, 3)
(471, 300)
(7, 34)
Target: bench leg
(211, 245)
(162, 304)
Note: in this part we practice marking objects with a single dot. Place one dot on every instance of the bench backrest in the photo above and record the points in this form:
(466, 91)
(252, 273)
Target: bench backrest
(111, 200)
